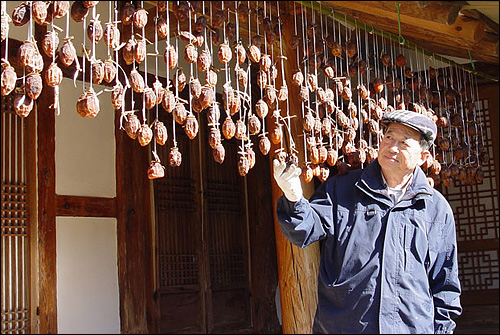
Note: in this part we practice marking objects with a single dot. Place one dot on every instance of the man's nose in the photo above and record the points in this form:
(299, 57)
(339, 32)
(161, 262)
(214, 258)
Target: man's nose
(395, 146)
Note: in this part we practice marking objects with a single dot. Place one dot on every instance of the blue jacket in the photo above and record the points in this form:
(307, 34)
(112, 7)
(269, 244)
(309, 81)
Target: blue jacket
(385, 267)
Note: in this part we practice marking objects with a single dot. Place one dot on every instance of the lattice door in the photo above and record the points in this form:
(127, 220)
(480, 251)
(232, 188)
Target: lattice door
(16, 154)
(202, 241)
(226, 235)
(477, 217)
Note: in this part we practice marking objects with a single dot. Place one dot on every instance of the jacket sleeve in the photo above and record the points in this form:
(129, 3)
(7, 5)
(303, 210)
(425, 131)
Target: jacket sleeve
(444, 281)
(306, 221)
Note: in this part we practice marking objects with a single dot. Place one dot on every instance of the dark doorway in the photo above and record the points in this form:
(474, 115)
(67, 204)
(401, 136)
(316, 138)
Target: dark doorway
(204, 240)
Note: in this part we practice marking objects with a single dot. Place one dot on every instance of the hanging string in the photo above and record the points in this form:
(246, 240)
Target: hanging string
(393, 72)
(190, 95)
(30, 38)
(123, 113)
(426, 81)
(110, 11)
(56, 88)
(283, 82)
(217, 124)
(414, 77)
(324, 32)
(167, 45)
(401, 38)
(447, 108)
(265, 52)
(4, 4)
(315, 63)
(237, 66)
(464, 118)
(133, 64)
(477, 110)
(249, 67)
(30, 25)
(270, 76)
(176, 78)
(144, 112)
(471, 60)
(305, 59)
(84, 58)
(304, 137)
(92, 60)
(338, 73)
(156, 77)
(226, 69)
(327, 82)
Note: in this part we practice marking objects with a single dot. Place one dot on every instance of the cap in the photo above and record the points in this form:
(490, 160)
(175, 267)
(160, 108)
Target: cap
(417, 121)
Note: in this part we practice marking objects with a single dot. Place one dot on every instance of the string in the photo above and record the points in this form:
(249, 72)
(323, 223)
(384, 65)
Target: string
(56, 88)
(4, 4)
(92, 60)
(471, 60)
(133, 66)
(304, 46)
(190, 99)
(157, 91)
(291, 142)
(401, 38)
(176, 78)
(84, 58)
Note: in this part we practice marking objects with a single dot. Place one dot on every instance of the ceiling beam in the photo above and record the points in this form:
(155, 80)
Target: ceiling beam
(416, 25)
(414, 20)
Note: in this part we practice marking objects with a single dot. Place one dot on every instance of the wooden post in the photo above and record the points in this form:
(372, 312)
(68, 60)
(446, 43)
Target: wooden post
(297, 268)
(134, 224)
(46, 130)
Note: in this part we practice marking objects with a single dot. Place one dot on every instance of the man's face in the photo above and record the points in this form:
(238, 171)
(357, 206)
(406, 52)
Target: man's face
(400, 151)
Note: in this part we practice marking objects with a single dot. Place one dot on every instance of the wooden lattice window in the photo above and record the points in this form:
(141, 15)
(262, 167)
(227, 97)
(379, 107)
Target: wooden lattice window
(477, 217)
(17, 157)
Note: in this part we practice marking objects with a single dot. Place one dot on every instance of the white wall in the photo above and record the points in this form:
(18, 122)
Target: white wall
(87, 279)
(85, 147)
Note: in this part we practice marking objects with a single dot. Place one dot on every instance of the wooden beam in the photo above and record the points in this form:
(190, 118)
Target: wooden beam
(414, 21)
(477, 15)
(466, 32)
(442, 36)
(483, 52)
(442, 12)
(478, 245)
(46, 130)
(483, 297)
(70, 205)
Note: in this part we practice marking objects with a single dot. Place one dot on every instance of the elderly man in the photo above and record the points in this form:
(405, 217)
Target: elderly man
(388, 245)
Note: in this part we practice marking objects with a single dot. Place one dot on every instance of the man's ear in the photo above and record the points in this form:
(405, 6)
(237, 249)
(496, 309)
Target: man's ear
(423, 157)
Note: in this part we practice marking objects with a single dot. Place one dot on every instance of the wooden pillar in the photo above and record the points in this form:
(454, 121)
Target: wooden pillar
(297, 267)
(134, 223)
(46, 130)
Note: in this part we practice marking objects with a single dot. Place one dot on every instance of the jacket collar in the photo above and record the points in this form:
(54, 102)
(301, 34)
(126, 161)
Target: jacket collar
(372, 184)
